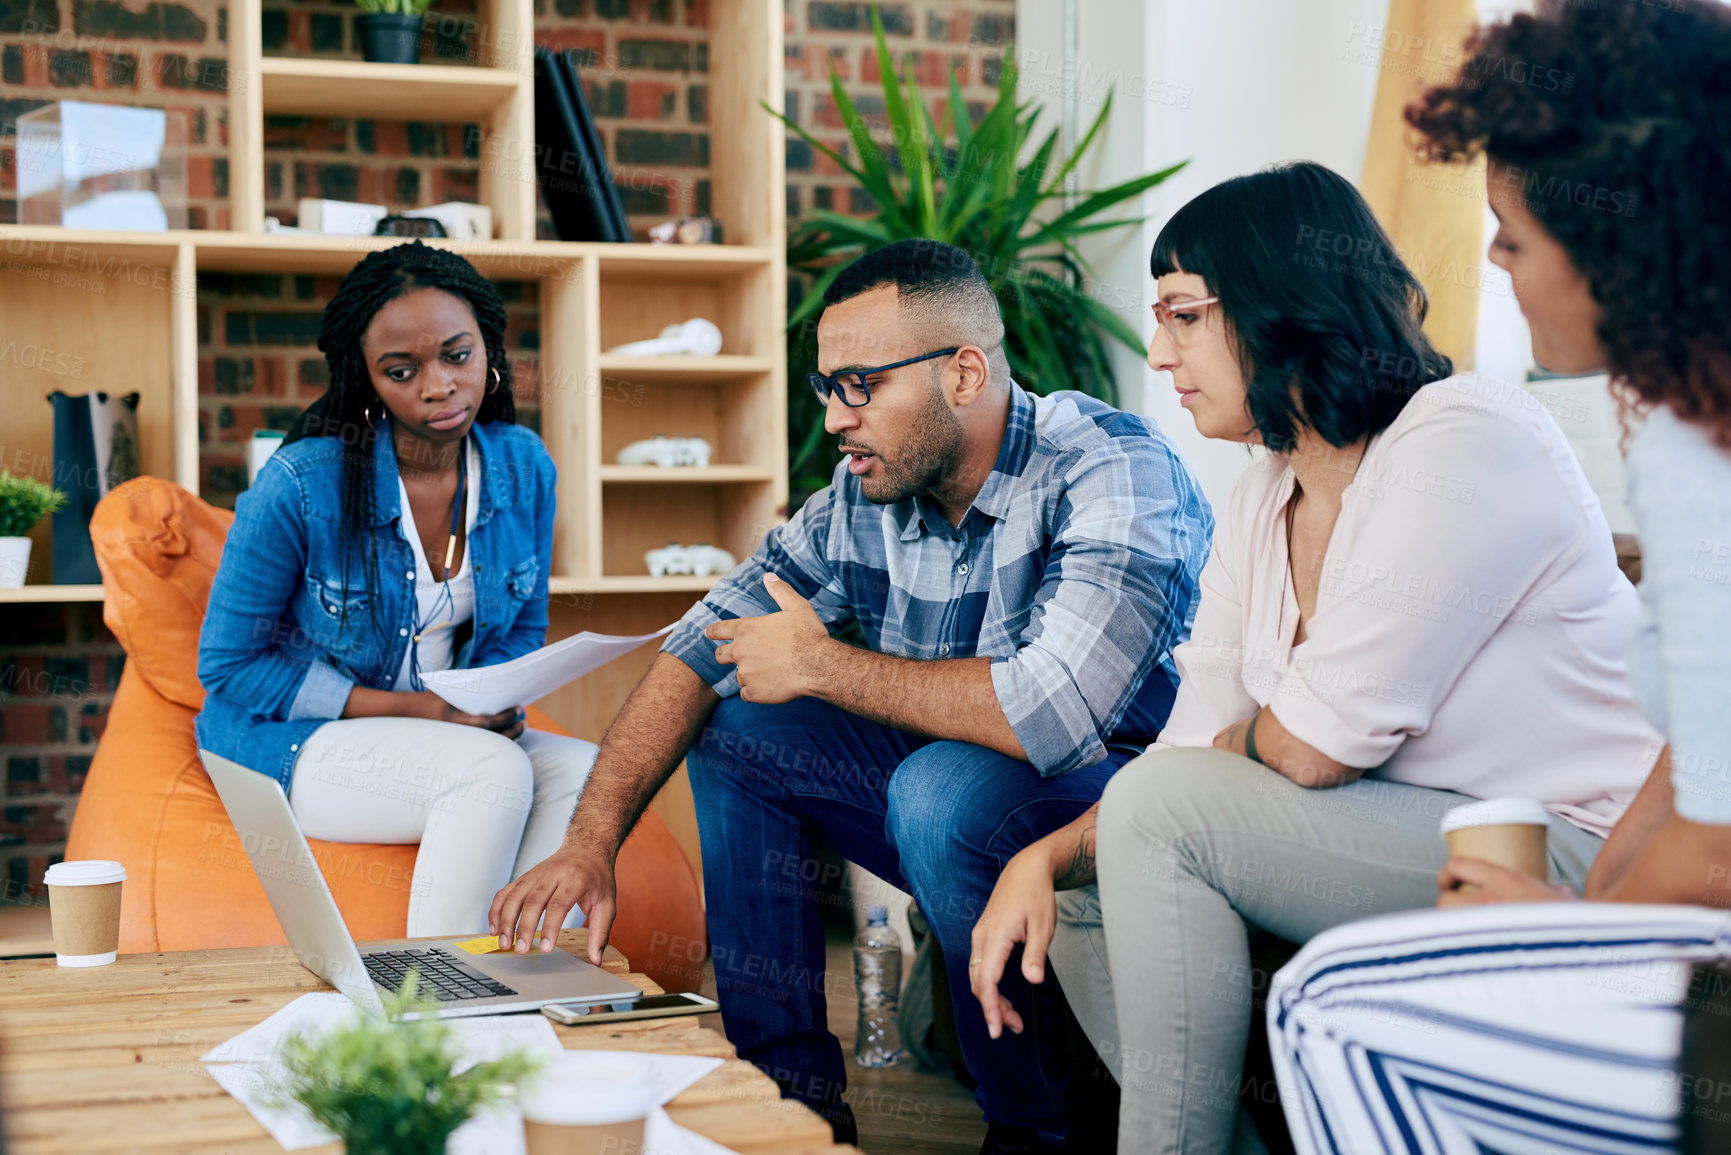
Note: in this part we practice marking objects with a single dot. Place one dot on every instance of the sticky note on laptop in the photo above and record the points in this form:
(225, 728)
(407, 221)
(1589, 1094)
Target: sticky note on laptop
(486, 944)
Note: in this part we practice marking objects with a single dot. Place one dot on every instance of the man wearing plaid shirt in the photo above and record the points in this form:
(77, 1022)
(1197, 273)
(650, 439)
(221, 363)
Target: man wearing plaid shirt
(941, 658)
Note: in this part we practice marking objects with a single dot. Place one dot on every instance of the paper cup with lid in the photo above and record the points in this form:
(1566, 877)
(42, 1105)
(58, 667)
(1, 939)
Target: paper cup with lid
(1510, 832)
(582, 1105)
(84, 908)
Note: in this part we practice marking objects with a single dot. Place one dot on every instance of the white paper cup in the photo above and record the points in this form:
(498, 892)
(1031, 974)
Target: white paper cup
(84, 909)
(1511, 832)
(572, 1108)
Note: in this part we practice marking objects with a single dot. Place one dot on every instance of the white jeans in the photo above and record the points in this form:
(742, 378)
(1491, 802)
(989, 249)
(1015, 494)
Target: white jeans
(483, 807)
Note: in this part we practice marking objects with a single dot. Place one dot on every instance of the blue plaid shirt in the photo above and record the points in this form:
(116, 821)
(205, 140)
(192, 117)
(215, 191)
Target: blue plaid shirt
(1075, 571)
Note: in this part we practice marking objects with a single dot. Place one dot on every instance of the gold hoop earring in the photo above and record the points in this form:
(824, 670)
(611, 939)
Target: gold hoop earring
(498, 382)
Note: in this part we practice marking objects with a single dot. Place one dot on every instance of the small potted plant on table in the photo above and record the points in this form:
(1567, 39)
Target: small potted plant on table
(386, 1086)
(391, 30)
(24, 501)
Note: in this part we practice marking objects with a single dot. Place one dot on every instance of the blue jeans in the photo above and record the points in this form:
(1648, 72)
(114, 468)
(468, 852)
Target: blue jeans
(937, 819)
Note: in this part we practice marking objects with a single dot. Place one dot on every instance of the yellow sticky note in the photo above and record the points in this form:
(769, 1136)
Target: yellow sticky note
(486, 944)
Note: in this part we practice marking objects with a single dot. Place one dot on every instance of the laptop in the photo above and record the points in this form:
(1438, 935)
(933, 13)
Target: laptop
(462, 983)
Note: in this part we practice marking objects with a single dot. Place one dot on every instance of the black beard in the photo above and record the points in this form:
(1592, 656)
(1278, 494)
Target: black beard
(926, 460)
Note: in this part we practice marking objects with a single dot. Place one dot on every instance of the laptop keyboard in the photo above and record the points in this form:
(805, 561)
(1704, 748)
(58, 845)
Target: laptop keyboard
(443, 975)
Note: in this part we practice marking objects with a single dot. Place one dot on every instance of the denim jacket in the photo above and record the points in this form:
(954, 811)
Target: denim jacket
(276, 656)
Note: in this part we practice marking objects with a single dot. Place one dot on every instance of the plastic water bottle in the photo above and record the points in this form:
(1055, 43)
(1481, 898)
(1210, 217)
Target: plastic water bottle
(877, 973)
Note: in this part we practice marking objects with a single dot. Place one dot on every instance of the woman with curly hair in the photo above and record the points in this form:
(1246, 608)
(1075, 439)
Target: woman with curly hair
(405, 526)
(1556, 1027)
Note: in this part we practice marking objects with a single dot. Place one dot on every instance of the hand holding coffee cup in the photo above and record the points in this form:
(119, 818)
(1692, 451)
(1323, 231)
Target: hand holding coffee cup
(84, 909)
(1510, 832)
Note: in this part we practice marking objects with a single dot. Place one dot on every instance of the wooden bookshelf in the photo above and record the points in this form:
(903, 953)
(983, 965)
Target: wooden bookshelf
(385, 91)
(629, 585)
(42, 594)
(723, 367)
(125, 305)
(711, 475)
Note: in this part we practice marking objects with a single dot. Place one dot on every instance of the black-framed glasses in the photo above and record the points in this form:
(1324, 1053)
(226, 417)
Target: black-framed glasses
(850, 384)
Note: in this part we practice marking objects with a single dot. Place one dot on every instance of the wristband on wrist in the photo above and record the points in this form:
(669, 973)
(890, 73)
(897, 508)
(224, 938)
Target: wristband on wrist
(1250, 739)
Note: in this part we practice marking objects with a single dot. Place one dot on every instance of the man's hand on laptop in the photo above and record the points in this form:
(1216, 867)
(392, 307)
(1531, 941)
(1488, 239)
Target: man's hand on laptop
(548, 892)
(777, 655)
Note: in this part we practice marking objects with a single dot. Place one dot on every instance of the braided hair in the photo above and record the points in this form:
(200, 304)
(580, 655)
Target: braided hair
(346, 410)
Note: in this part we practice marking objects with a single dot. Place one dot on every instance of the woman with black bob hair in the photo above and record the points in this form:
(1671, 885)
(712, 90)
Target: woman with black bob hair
(1327, 321)
(1413, 573)
(404, 527)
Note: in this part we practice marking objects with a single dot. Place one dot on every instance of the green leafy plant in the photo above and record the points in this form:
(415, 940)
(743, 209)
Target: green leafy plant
(979, 185)
(386, 1085)
(405, 7)
(24, 501)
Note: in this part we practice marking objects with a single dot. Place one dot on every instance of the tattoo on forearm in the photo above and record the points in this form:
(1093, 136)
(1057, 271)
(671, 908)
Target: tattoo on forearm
(1079, 871)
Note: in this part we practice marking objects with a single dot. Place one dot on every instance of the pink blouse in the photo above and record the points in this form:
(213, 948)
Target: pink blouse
(1470, 622)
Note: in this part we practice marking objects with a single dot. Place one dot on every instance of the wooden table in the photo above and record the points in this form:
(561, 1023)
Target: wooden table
(106, 1059)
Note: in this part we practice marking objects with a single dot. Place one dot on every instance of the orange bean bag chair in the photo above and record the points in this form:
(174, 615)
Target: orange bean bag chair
(149, 803)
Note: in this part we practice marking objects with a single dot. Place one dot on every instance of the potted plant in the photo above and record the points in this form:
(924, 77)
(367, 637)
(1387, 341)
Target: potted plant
(388, 1085)
(983, 185)
(24, 501)
(391, 30)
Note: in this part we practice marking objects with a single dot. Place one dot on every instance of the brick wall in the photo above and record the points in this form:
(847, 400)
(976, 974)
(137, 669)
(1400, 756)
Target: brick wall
(163, 55)
(933, 36)
(58, 669)
(645, 61)
(646, 65)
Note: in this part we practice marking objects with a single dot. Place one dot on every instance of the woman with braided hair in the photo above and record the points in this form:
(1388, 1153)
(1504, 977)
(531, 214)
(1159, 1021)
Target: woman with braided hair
(405, 526)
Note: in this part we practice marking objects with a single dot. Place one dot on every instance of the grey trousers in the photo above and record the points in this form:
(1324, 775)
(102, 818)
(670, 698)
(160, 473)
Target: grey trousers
(1193, 844)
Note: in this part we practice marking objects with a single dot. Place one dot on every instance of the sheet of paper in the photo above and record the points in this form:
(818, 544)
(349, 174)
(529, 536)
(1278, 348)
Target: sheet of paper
(486, 944)
(661, 1133)
(496, 1131)
(668, 1075)
(500, 1131)
(482, 1037)
(486, 1037)
(242, 1066)
(490, 689)
(310, 1014)
(291, 1125)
